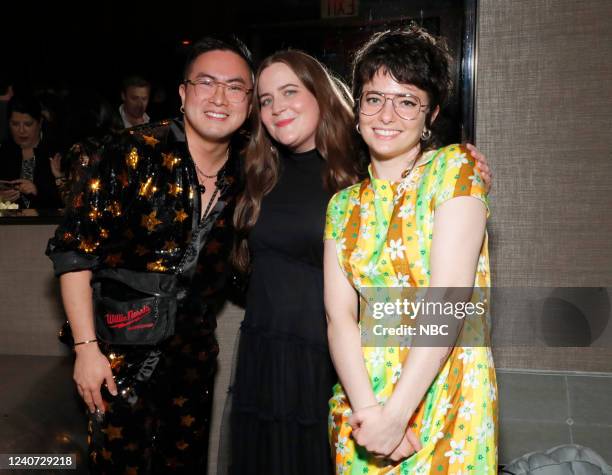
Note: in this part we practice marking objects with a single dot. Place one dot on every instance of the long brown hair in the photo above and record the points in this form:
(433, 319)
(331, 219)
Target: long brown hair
(334, 139)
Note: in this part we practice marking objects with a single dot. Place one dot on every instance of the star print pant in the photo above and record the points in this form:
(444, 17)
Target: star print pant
(159, 422)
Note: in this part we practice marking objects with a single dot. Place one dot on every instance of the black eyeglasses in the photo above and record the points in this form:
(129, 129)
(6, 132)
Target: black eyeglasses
(206, 87)
(406, 106)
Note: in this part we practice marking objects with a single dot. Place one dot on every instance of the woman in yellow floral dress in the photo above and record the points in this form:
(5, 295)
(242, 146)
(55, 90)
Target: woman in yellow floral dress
(419, 220)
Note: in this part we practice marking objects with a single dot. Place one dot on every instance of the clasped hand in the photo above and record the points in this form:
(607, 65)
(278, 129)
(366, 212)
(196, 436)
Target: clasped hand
(383, 434)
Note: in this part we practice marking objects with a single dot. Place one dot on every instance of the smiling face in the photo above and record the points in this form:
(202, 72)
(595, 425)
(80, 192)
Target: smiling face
(214, 118)
(289, 111)
(386, 133)
(25, 129)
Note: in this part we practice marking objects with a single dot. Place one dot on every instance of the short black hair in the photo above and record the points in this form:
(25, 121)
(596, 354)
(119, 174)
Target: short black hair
(411, 56)
(25, 104)
(217, 43)
(134, 81)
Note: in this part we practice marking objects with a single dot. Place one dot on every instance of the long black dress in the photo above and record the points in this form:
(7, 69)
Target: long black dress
(284, 375)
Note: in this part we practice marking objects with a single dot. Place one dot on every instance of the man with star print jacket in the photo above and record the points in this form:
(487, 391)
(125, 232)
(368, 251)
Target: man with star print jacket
(153, 201)
(136, 207)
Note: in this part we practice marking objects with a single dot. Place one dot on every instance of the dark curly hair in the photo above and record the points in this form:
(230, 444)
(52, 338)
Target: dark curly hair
(411, 56)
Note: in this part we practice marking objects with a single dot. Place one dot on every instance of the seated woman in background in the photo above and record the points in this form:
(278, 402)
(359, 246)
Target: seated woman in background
(25, 168)
(418, 220)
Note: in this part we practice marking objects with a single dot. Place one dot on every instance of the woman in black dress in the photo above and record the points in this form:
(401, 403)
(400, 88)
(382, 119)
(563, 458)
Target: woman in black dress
(301, 151)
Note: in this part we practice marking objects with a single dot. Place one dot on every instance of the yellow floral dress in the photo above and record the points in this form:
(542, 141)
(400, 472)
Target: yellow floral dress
(383, 234)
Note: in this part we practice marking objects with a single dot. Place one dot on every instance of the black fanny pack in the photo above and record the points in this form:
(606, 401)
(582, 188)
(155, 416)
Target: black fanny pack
(134, 308)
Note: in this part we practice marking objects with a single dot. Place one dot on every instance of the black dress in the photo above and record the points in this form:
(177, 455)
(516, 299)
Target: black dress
(284, 375)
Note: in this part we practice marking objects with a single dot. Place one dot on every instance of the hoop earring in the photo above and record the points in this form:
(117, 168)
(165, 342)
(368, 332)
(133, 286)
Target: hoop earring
(358, 130)
(426, 135)
(182, 109)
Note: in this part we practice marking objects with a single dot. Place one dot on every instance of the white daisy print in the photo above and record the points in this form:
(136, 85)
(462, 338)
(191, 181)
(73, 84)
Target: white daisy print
(485, 430)
(370, 270)
(406, 210)
(492, 392)
(396, 249)
(458, 160)
(365, 231)
(377, 357)
(457, 453)
(482, 265)
(467, 356)
(467, 410)
(470, 380)
(475, 179)
(358, 254)
(341, 445)
(444, 405)
(400, 280)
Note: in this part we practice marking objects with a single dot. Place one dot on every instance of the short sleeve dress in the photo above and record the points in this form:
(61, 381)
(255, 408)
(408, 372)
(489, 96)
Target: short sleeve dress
(383, 233)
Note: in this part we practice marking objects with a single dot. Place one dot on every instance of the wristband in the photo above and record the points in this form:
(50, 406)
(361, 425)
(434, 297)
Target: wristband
(85, 342)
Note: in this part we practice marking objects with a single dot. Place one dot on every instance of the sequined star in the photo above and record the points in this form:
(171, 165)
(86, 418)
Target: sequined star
(182, 445)
(170, 160)
(114, 260)
(67, 236)
(180, 216)
(179, 401)
(141, 250)
(113, 432)
(77, 201)
(169, 246)
(147, 188)
(132, 158)
(150, 221)
(94, 214)
(106, 454)
(104, 233)
(187, 420)
(88, 245)
(174, 189)
(157, 266)
(94, 185)
(115, 208)
(150, 140)
(116, 361)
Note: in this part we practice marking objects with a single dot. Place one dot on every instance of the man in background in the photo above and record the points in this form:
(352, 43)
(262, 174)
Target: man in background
(135, 93)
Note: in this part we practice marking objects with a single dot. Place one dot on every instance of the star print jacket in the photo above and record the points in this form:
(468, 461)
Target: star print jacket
(135, 206)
